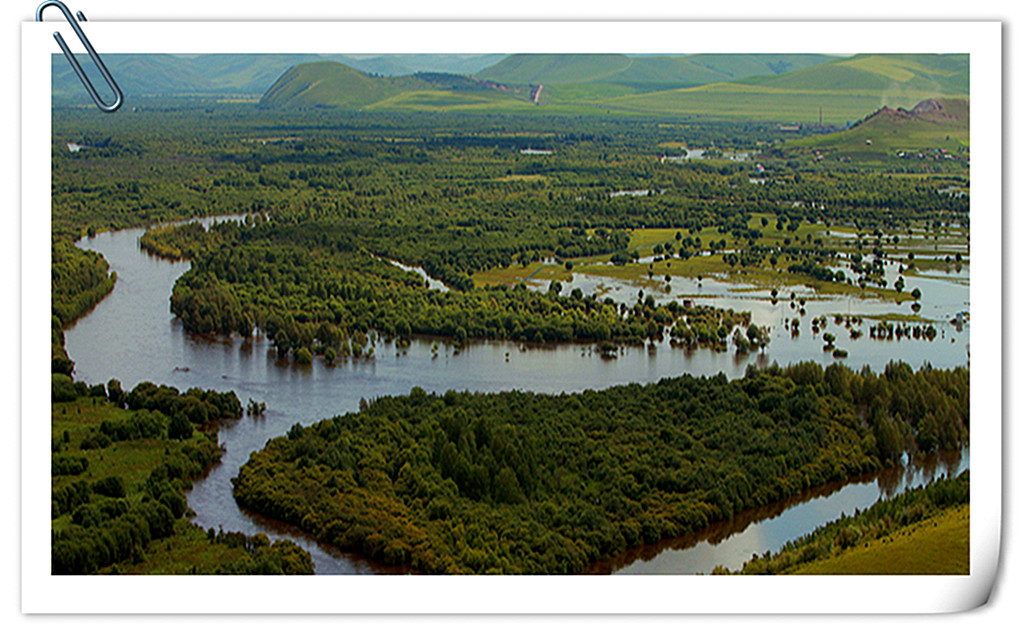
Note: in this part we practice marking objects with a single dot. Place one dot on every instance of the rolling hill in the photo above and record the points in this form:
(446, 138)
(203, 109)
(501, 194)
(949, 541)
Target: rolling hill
(842, 90)
(642, 73)
(933, 124)
(334, 85)
(408, 64)
(930, 74)
(176, 75)
(836, 91)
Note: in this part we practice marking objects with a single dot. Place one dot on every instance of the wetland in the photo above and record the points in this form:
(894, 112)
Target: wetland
(464, 355)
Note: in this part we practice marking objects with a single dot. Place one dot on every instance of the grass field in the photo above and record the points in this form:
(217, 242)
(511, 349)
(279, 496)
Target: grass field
(185, 552)
(936, 546)
(451, 101)
(896, 318)
(131, 460)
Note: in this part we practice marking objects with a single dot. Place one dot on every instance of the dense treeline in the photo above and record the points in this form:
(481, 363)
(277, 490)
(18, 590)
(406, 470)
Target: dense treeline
(195, 405)
(882, 519)
(442, 172)
(308, 287)
(78, 281)
(525, 483)
(450, 193)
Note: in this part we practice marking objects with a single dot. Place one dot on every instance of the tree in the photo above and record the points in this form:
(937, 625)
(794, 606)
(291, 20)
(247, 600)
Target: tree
(62, 388)
(180, 427)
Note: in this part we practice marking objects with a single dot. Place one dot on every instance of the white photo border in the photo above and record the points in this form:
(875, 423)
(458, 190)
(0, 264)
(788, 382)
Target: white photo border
(659, 594)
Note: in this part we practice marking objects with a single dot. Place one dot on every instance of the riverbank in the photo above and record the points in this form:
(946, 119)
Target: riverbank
(924, 531)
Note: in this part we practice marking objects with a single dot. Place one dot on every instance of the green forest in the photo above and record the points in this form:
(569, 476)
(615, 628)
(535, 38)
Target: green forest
(525, 483)
(310, 288)
(327, 205)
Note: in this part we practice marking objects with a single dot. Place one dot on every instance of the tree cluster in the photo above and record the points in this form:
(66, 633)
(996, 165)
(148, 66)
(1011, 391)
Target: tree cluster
(525, 483)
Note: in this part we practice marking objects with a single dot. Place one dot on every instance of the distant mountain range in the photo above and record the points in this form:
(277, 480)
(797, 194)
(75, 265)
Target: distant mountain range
(838, 92)
(176, 75)
(643, 73)
(329, 84)
(799, 88)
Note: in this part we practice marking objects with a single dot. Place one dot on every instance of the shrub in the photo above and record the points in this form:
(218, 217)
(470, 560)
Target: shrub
(62, 389)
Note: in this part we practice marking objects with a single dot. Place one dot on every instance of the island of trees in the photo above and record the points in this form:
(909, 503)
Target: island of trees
(525, 483)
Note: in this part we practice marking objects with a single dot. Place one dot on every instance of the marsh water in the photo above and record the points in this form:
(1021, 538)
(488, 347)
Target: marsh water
(132, 336)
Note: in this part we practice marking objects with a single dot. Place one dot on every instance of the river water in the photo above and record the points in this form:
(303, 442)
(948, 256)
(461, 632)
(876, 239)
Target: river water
(132, 336)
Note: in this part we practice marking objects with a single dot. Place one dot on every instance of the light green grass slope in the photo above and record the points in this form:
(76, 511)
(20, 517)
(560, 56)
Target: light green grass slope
(935, 546)
(845, 90)
(553, 69)
(335, 85)
(933, 75)
(647, 73)
(892, 130)
(321, 84)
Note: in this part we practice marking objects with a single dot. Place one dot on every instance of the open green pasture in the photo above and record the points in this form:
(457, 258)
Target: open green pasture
(936, 546)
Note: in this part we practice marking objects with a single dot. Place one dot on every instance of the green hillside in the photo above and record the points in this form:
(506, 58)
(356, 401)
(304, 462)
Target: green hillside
(135, 75)
(407, 64)
(931, 124)
(646, 73)
(752, 103)
(147, 75)
(740, 65)
(334, 85)
(837, 91)
(928, 75)
(249, 74)
(552, 69)
(842, 91)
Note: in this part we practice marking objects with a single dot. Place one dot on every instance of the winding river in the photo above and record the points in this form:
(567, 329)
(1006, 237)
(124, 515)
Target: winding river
(132, 336)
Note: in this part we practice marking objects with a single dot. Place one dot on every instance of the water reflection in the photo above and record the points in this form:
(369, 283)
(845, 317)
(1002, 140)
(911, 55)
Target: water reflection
(733, 542)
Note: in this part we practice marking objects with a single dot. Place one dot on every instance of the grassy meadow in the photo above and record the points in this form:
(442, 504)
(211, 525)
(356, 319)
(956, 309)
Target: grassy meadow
(936, 546)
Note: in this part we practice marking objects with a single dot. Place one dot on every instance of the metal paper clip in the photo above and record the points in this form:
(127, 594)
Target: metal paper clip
(118, 95)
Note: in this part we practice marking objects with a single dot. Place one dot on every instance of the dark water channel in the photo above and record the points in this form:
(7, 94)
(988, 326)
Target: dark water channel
(132, 336)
